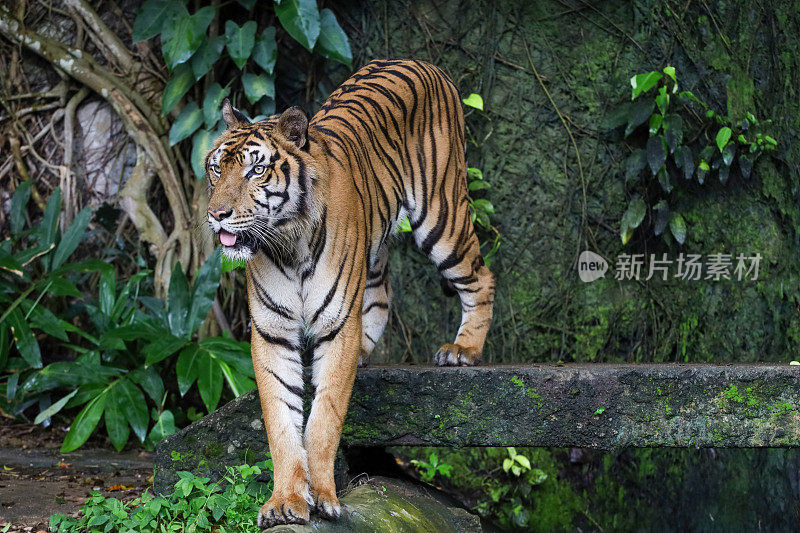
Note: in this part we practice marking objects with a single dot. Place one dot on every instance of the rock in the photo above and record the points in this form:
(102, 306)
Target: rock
(585, 406)
(385, 504)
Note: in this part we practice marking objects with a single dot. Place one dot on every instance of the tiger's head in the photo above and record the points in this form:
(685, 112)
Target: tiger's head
(260, 177)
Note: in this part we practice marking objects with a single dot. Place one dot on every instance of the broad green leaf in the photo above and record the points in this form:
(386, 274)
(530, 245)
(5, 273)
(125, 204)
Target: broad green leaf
(189, 119)
(728, 153)
(638, 113)
(13, 266)
(474, 100)
(204, 290)
(723, 136)
(24, 338)
(84, 423)
(265, 51)
(634, 164)
(42, 318)
(202, 142)
(164, 427)
(663, 180)
(641, 83)
(673, 131)
(178, 301)
(236, 354)
(18, 204)
(230, 264)
(150, 381)
(209, 381)
(478, 185)
(178, 85)
(684, 159)
(300, 18)
(183, 34)
(107, 291)
(662, 217)
(162, 347)
(240, 40)
(55, 408)
(632, 217)
(151, 16)
(72, 237)
(655, 123)
(656, 154)
(678, 227)
(64, 287)
(205, 56)
(746, 165)
(332, 42)
(212, 102)
(662, 100)
(48, 229)
(133, 404)
(237, 383)
(187, 367)
(70, 375)
(474, 173)
(670, 71)
(481, 204)
(258, 85)
(116, 425)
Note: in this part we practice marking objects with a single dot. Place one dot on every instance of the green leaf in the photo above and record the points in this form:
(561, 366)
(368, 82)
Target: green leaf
(230, 264)
(164, 427)
(237, 383)
(641, 83)
(72, 237)
(202, 142)
(151, 16)
(183, 34)
(84, 423)
(300, 18)
(746, 165)
(723, 173)
(663, 180)
(332, 42)
(728, 153)
(189, 119)
(662, 217)
(131, 401)
(634, 164)
(655, 123)
(116, 425)
(178, 301)
(18, 204)
(162, 347)
(240, 40)
(521, 459)
(684, 159)
(204, 58)
(638, 113)
(209, 381)
(55, 408)
(236, 354)
(212, 102)
(723, 136)
(474, 100)
(678, 227)
(662, 100)
(478, 185)
(673, 131)
(187, 367)
(265, 51)
(205, 289)
(24, 338)
(482, 204)
(656, 154)
(670, 71)
(257, 86)
(632, 217)
(48, 229)
(42, 318)
(150, 381)
(178, 85)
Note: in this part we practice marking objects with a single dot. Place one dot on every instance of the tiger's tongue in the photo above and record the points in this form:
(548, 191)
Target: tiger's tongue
(227, 239)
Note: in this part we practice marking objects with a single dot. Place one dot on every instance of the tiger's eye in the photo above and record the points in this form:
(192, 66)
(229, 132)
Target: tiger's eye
(259, 169)
(215, 169)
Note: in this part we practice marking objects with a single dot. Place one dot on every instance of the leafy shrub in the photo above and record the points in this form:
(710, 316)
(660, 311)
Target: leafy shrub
(195, 505)
(686, 139)
(191, 54)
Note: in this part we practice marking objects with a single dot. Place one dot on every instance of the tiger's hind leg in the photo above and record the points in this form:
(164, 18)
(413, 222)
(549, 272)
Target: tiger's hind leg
(450, 241)
(375, 309)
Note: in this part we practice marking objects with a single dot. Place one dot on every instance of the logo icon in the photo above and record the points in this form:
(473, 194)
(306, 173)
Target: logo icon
(591, 266)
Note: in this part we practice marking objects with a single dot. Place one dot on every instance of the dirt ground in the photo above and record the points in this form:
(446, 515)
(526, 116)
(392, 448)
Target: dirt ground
(36, 480)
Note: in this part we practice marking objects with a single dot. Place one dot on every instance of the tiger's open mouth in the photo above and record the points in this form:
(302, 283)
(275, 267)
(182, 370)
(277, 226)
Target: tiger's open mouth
(237, 241)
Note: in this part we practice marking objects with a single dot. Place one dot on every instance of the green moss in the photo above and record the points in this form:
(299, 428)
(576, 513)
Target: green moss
(211, 450)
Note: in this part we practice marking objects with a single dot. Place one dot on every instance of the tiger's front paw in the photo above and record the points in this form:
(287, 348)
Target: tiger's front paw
(291, 509)
(456, 355)
(327, 505)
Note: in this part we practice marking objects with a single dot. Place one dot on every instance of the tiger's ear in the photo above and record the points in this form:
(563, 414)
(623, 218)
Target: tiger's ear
(233, 117)
(293, 125)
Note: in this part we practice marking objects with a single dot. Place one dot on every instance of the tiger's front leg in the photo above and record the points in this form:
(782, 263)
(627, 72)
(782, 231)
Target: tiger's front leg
(279, 374)
(334, 370)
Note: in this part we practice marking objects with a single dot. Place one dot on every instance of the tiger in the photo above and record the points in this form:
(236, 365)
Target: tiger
(310, 207)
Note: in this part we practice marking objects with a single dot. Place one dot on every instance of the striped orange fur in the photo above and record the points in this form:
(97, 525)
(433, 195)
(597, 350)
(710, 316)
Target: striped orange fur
(310, 207)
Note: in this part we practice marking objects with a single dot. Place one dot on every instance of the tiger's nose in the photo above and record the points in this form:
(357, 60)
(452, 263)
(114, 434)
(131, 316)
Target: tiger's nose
(219, 214)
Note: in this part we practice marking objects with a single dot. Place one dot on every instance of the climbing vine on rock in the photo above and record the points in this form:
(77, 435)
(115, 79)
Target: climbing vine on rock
(686, 140)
